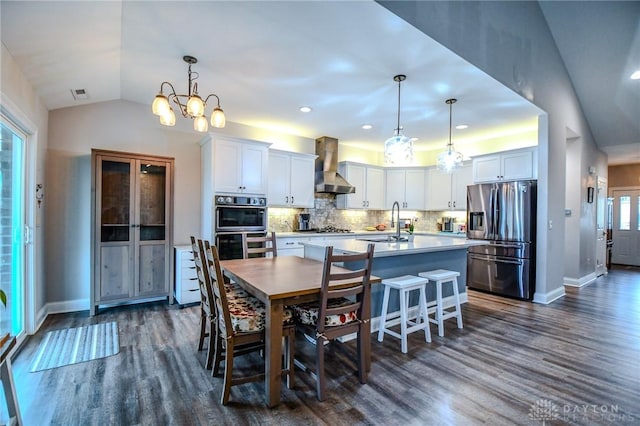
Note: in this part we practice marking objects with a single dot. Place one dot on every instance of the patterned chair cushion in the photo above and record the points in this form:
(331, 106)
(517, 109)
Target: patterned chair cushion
(307, 313)
(248, 314)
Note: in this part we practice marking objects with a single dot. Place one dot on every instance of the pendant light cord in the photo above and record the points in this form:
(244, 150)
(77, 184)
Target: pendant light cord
(399, 78)
(450, 102)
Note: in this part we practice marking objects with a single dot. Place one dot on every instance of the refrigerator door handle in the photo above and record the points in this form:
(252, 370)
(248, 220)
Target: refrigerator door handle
(496, 259)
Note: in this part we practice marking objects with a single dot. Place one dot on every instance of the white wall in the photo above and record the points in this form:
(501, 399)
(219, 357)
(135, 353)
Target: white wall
(511, 42)
(20, 101)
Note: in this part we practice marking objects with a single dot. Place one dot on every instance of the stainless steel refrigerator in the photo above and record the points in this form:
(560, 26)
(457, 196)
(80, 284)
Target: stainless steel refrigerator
(504, 215)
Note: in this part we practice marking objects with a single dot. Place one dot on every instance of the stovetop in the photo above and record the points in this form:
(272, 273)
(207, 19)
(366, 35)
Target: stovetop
(329, 229)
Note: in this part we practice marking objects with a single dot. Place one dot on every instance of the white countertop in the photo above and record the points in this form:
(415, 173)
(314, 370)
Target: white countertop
(421, 244)
(367, 233)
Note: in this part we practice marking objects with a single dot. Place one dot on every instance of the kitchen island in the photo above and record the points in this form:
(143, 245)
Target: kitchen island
(392, 259)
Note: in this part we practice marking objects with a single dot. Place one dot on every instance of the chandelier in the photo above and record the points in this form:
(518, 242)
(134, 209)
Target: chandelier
(190, 105)
(450, 159)
(398, 148)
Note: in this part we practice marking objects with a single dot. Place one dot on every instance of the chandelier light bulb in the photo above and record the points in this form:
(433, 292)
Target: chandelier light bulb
(160, 105)
(168, 118)
(398, 149)
(218, 119)
(200, 124)
(195, 106)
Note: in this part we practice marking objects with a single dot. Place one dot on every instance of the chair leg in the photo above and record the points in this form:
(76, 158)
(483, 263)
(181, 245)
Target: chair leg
(403, 320)
(362, 368)
(289, 357)
(439, 310)
(457, 301)
(203, 329)
(212, 343)
(425, 313)
(228, 372)
(383, 314)
(217, 356)
(320, 368)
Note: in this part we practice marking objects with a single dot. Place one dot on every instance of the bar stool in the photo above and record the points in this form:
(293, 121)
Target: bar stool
(440, 277)
(405, 284)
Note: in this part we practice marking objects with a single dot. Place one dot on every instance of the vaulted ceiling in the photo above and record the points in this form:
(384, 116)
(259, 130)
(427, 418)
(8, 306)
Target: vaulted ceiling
(266, 59)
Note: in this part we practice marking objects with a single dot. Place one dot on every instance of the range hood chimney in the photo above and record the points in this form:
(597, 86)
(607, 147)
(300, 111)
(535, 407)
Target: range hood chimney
(327, 177)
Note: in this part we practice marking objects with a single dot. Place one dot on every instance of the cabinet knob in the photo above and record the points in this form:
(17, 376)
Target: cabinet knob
(292, 199)
(286, 199)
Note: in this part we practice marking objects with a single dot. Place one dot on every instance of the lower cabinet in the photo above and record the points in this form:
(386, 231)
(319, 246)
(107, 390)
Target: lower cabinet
(187, 288)
(290, 246)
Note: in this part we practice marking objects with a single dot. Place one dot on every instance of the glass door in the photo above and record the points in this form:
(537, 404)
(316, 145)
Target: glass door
(626, 227)
(12, 228)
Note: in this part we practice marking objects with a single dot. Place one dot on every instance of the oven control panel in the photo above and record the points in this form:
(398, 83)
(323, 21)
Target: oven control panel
(236, 200)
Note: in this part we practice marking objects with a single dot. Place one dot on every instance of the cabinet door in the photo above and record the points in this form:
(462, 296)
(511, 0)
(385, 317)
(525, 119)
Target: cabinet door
(414, 189)
(461, 179)
(487, 169)
(302, 182)
(279, 180)
(375, 184)
(115, 233)
(518, 165)
(395, 186)
(439, 193)
(254, 169)
(356, 175)
(227, 169)
(152, 212)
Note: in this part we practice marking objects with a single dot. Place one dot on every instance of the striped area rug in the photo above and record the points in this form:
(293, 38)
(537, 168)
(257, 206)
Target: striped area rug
(74, 345)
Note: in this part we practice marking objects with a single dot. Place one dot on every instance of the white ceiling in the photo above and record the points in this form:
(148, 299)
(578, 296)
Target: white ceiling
(264, 60)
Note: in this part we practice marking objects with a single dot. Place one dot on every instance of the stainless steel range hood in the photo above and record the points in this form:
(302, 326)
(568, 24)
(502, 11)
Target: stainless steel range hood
(327, 177)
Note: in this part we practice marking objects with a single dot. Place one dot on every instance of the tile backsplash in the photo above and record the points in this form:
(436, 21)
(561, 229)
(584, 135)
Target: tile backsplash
(325, 213)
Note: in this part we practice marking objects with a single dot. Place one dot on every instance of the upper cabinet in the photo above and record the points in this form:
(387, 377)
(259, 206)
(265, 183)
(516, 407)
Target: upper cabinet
(369, 182)
(291, 179)
(448, 191)
(406, 186)
(240, 166)
(509, 165)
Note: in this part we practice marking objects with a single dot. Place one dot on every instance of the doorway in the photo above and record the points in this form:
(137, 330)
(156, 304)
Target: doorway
(626, 226)
(601, 232)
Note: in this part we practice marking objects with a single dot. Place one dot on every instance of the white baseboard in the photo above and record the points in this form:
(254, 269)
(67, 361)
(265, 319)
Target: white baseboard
(68, 306)
(546, 298)
(375, 321)
(580, 282)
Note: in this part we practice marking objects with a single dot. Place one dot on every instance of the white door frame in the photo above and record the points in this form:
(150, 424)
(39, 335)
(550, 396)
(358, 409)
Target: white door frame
(601, 226)
(615, 232)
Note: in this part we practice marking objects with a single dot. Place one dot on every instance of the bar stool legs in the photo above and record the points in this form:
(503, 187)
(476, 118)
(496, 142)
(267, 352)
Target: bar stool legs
(405, 285)
(440, 277)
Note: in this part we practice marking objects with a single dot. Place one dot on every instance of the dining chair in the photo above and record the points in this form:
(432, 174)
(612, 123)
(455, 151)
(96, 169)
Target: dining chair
(241, 329)
(259, 245)
(339, 311)
(207, 308)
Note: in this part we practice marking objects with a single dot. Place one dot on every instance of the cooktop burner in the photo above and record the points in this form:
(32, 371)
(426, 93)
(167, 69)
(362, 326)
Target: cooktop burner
(333, 229)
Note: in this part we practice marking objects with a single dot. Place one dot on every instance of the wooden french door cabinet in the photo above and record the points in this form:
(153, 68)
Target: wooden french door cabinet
(132, 214)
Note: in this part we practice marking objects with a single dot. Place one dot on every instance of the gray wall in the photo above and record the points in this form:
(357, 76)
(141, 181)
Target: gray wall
(511, 42)
(117, 126)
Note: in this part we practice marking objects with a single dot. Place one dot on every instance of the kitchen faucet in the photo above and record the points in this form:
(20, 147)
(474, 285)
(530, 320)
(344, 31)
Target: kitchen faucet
(397, 236)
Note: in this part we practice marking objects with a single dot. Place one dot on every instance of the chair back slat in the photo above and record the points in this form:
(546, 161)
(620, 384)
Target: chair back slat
(359, 289)
(263, 246)
(206, 296)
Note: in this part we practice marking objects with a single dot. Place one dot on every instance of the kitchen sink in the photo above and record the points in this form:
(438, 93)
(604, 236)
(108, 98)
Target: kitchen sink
(388, 239)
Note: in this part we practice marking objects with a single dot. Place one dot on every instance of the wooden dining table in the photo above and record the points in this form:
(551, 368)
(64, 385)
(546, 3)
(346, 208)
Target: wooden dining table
(278, 282)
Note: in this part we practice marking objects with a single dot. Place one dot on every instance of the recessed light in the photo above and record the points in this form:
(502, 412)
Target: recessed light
(367, 126)
(305, 109)
(635, 75)
(462, 126)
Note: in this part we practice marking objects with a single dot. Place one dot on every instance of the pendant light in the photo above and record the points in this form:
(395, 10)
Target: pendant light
(450, 159)
(190, 105)
(398, 149)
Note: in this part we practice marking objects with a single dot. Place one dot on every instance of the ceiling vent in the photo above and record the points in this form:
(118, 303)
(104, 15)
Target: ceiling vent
(79, 94)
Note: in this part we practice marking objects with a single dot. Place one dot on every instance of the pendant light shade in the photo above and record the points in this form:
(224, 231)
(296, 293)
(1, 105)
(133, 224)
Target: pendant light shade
(450, 159)
(398, 149)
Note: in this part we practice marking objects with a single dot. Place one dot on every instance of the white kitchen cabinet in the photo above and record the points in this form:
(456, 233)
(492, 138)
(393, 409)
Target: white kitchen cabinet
(290, 246)
(504, 166)
(448, 191)
(369, 184)
(407, 186)
(186, 278)
(240, 166)
(291, 179)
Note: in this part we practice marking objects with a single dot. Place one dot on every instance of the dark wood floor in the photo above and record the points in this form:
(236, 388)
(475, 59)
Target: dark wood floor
(578, 356)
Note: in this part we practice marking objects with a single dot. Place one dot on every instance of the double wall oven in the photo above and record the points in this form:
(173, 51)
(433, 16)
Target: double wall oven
(235, 215)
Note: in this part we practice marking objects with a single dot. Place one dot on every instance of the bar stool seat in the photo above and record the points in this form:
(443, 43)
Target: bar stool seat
(405, 284)
(441, 277)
